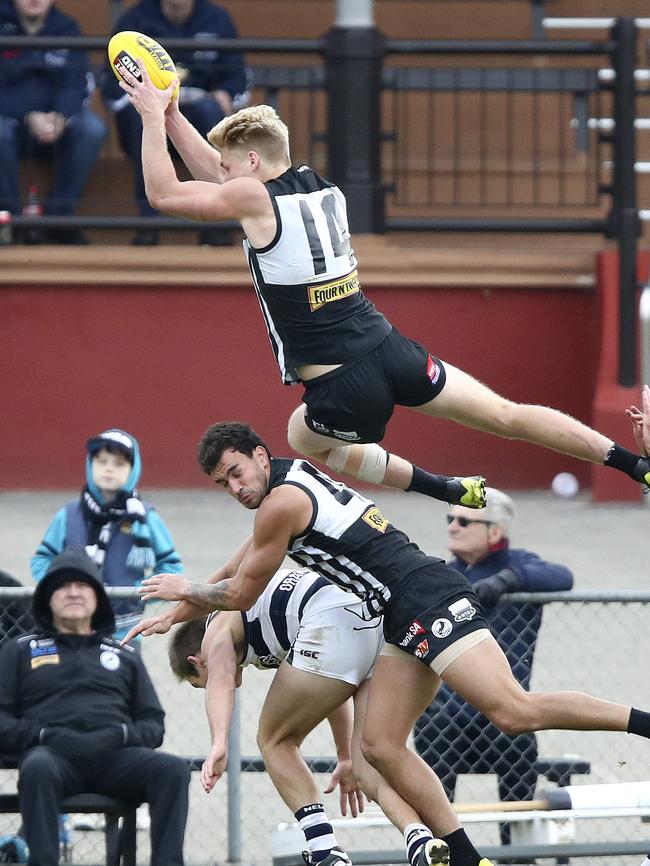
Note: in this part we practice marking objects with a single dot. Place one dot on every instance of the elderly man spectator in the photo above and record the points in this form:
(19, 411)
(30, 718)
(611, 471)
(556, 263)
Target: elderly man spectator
(43, 113)
(213, 83)
(81, 714)
(452, 736)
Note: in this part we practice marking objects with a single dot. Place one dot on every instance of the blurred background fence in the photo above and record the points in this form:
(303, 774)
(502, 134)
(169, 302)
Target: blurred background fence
(594, 641)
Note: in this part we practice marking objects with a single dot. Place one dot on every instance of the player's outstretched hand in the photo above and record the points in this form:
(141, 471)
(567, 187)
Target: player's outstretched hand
(213, 767)
(349, 792)
(168, 587)
(152, 625)
(640, 419)
(143, 95)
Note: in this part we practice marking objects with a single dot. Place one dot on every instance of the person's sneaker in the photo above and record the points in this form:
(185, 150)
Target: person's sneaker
(334, 858)
(469, 491)
(434, 852)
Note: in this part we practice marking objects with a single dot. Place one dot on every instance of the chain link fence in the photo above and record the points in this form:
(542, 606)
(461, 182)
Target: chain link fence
(592, 641)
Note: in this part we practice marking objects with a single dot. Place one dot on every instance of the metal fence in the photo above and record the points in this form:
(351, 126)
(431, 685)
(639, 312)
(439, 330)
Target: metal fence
(594, 641)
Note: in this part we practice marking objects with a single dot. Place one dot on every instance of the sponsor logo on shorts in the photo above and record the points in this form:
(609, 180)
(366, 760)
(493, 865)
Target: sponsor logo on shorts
(421, 649)
(414, 629)
(309, 654)
(373, 517)
(433, 370)
(124, 62)
(346, 435)
(334, 291)
(462, 610)
(441, 628)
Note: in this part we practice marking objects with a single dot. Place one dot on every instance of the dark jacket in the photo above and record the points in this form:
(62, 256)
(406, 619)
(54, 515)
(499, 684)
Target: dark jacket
(82, 695)
(41, 79)
(208, 70)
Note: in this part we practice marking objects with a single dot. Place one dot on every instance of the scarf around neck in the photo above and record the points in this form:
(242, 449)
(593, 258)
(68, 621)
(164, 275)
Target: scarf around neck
(124, 508)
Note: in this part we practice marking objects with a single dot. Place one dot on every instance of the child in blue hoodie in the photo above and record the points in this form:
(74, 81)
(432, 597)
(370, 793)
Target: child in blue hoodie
(126, 537)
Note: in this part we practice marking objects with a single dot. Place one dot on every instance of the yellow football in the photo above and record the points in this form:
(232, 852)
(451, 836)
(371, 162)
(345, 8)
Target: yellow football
(126, 47)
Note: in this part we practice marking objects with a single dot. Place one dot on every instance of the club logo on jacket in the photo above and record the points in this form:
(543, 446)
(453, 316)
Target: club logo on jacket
(44, 652)
(110, 660)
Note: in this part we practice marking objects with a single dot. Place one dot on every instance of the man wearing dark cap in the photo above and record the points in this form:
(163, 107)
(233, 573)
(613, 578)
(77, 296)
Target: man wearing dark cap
(82, 715)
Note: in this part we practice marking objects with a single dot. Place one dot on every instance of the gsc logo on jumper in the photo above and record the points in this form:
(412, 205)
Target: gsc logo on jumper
(334, 291)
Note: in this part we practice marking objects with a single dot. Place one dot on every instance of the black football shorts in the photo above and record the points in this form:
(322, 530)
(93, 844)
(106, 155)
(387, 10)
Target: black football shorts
(355, 402)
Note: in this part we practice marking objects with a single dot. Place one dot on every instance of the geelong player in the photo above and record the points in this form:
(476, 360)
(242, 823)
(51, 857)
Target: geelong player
(314, 635)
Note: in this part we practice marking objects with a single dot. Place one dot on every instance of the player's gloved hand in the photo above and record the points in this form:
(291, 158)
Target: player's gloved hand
(469, 491)
(490, 589)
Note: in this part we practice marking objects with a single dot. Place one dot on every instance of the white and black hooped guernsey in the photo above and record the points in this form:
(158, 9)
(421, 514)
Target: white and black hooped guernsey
(306, 279)
(348, 541)
(272, 623)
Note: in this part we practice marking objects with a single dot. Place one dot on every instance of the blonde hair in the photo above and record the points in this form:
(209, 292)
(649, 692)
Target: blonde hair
(257, 127)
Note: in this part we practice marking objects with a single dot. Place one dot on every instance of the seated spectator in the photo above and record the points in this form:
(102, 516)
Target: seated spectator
(213, 83)
(126, 537)
(452, 736)
(82, 715)
(44, 113)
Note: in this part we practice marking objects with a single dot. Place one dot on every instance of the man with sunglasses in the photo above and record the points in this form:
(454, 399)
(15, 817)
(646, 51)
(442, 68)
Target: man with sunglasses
(451, 735)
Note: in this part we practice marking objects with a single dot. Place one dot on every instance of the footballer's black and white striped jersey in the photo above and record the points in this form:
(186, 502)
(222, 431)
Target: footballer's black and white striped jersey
(272, 623)
(348, 540)
(306, 279)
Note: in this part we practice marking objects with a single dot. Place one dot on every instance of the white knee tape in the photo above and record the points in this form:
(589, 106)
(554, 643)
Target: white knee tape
(338, 457)
(373, 464)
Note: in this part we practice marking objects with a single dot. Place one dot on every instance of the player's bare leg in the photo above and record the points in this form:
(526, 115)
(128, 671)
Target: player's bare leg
(466, 400)
(399, 691)
(483, 678)
(422, 848)
(371, 463)
(296, 702)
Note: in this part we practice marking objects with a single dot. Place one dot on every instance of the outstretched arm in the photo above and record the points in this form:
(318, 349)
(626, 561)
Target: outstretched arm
(219, 651)
(283, 515)
(170, 588)
(203, 160)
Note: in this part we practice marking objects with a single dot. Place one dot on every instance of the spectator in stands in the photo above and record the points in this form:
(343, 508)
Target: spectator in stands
(44, 113)
(213, 83)
(451, 735)
(82, 715)
(15, 614)
(125, 536)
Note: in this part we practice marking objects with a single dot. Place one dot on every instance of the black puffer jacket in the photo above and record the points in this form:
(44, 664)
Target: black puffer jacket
(82, 695)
